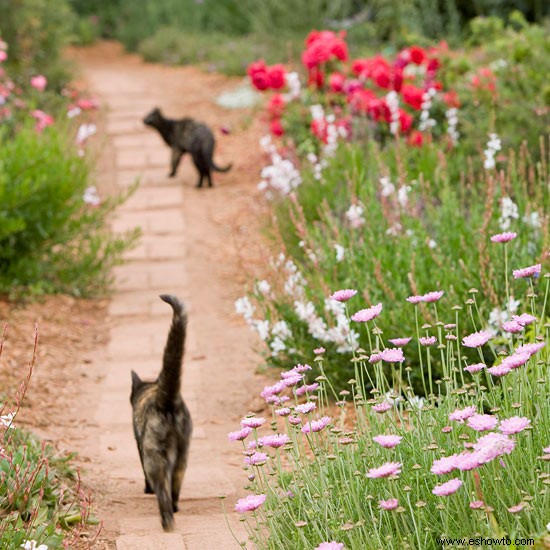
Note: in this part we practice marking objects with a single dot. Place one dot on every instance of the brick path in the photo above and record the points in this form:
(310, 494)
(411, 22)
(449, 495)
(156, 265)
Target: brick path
(178, 254)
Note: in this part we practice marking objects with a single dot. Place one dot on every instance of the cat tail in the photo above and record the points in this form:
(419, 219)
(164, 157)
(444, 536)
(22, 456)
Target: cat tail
(164, 499)
(220, 169)
(169, 379)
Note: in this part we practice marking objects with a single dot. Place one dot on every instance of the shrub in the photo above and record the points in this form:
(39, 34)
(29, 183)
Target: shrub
(396, 471)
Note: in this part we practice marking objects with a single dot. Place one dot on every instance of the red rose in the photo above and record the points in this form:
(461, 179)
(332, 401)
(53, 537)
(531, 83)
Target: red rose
(316, 77)
(382, 77)
(276, 106)
(405, 121)
(256, 66)
(336, 82)
(397, 79)
(260, 80)
(276, 76)
(359, 66)
(417, 54)
(433, 65)
(339, 49)
(276, 127)
(412, 96)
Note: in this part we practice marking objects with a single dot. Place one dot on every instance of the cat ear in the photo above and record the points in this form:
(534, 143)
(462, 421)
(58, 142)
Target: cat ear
(136, 381)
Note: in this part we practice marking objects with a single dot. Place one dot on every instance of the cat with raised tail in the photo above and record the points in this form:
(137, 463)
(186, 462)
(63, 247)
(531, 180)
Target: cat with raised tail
(187, 135)
(162, 422)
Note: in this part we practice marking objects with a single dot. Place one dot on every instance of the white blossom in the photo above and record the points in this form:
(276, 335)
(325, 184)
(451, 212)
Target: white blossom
(244, 307)
(387, 187)
(340, 252)
(354, 215)
(91, 196)
(493, 146)
(452, 122)
(508, 211)
(263, 287)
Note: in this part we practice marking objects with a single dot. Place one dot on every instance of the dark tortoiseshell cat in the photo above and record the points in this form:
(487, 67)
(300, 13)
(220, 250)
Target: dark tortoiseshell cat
(187, 136)
(162, 423)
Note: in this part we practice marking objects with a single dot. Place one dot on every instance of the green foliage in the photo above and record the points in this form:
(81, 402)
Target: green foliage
(50, 239)
(36, 31)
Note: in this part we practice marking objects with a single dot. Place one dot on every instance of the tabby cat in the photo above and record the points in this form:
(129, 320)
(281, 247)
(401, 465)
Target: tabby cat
(187, 136)
(162, 422)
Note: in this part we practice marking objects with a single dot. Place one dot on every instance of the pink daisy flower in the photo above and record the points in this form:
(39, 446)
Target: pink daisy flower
(462, 414)
(531, 271)
(249, 503)
(386, 470)
(512, 326)
(392, 355)
(517, 508)
(448, 488)
(503, 237)
(514, 425)
(444, 465)
(306, 408)
(474, 368)
(293, 380)
(477, 504)
(476, 339)
(284, 411)
(257, 459)
(516, 360)
(294, 420)
(275, 389)
(499, 370)
(427, 340)
(316, 425)
(531, 349)
(364, 315)
(252, 422)
(275, 441)
(297, 369)
(381, 407)
(306, 388)
(414, 299)
(467, 461)
(431, 297)
(39, 82)
(482, 422)
(400, 342)
(375, 357)
(493, 445)
(240, 434)
(524, 319)
(319, 351)
(390, 504)
(387, 441)
(343, 295)
(330, 546)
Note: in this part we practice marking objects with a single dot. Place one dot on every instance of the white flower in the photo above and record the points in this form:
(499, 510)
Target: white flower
(354, 215)
(432, 244)
(7, 420)
(508, 211)
(387, 187)
(532, 220)
(340, 252)
(31, 545)
(317, 112)
(277, 345)
(452, 121)
(280, 176)
(244, 307)
(261, 327)
(493, 145)
(91, 196)
(403, 195)
(280, 329)
(416, 402)
(263, 287)
(294, 86)
(84, 132)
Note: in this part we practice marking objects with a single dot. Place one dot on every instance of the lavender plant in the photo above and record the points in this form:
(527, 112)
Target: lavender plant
(388, 469)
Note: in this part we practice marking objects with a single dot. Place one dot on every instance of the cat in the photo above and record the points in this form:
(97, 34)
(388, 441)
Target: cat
(187, 135)
(162, 422)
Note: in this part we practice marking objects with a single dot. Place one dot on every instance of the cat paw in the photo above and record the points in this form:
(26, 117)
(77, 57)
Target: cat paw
(171, 174)
(148, 490)
(175, 508)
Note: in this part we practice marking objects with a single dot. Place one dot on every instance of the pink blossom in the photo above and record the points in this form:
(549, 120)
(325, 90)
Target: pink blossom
(512, 327)
(42, 119)
(467, 461)
(275, 389)
(390, 504)
(477, 504)
(39, 82)
(462, 414)
(476, 339)
(330, 546)
(427, 340)
(432, 296)
(307, 388)
(364, 315)
(532, 270)
(381, 407)
(319, 351)
(3, 56)
(517, 508)
(524, 319)
(343, 295)
(482, 422)
(284, 411)
(387, 469)
(275, 441)
(516, 360)
(400, 342)
(297, 369)
(249, 503)
(474, 368)
(499, 370)
(316, 425)
(444, 465)
(448, 488)
(414, 299)
(387, 441)
(493, 445)
(240, 434)
(514, 425)
(306, 408)
(546, 450)
(531, 349)
(293, 380)
(375, 357)
(392, 355)
(294, 420)
(503, 237)
(446, 429)
(252, 422)
(257, 459)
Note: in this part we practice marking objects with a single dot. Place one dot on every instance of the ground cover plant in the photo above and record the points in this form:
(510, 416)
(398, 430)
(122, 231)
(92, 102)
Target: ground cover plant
(375, 466)
(54, 235)
(374, 187)
(42, 504)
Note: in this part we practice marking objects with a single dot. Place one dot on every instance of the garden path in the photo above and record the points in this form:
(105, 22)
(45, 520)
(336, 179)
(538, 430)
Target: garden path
(192, 244)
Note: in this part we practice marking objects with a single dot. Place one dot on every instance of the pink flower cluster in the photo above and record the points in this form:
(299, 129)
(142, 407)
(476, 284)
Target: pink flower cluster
(249, 503)
(264, 77)
(430, 297)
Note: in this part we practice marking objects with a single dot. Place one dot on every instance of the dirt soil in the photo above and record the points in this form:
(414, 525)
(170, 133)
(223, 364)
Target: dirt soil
(68, 399)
